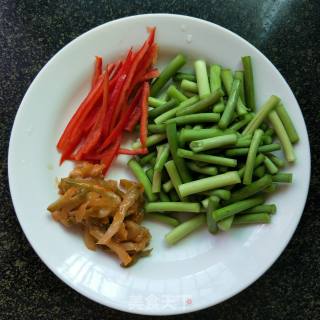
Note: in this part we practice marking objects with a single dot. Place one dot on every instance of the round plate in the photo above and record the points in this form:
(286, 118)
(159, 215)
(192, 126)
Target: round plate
(201, 270)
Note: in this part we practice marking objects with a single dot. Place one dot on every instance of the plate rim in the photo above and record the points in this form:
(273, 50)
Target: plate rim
(112, 304)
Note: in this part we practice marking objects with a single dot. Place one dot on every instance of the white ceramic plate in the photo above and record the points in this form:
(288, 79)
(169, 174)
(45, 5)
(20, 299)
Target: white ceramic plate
(201, 270)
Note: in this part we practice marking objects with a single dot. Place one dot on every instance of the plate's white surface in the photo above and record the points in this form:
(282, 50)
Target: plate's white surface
(198, 272)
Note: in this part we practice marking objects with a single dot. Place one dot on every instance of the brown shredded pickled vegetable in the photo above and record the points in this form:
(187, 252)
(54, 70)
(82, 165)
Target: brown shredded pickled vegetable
(108, 214)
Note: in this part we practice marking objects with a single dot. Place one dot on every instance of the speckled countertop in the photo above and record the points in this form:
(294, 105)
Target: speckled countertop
(286, 31)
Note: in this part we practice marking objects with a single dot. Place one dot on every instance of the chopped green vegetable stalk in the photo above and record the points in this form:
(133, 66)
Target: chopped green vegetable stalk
(185, 228)
(215, 84)
(231, 105)
(162, 157)
(164, 197)
(168, 105)
(219, 106)
(247, 177)
(269, 132)
(156, 182)
(251, 218)
(212, 143)
(215, 77)
(261, 115)
(163, 218)
(149, 173)
(223, 194)
(151, 140)
(277, 161)
(227, 80)
(201, 105)
(162, 118)
(248, 82)
(272, 188)
(187, 135)
(260, 171)
(167, 186)
(239, 75)
(156, 128)
(251, 189)
(174, 176)
(234, 208)
(179, 76)
(217, 160)
(213, 203)
(188, 85)
(287, 123)
(268, 208)
(174, 93)
(155, 103)
(202, 78)
(173, 195)
(242, 143)
(282, 177)
(195, 118)
(189, 94)
(240, 124)
(240, 107)
(167, 73)
(282, 135)
(173, 145)
(173, 207)
(259, 160)
(243, 151)
(225, 224)
(147, 158)
(211, 171)
(271, 167)
(215, 182)
(142, 178)
(266, 139)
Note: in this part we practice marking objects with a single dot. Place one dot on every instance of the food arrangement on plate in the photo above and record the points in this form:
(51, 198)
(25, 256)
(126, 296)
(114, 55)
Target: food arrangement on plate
(203, 148)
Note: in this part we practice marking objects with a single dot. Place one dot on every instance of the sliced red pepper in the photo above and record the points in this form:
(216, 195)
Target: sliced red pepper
(110, 154)
(123, 122)
(154, 73)
(133, 152)
(74, 128)
(95, 133)
(134, 119)
(135, 63)
(97, 70)
(119, 101)
(116, 93)
(145, 64)
(144, 114)
(117, 67)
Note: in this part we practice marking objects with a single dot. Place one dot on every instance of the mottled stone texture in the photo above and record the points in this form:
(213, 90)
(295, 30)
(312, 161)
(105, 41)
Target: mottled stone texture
(286, 31)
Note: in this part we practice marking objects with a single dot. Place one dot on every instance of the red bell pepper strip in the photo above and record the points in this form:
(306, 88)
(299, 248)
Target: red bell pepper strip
(144, 114)
(116, 93)
(116, 67)
(72, 130)
(97, 71)
(119, 101)
(145, 64)
(110, 154)
(94, 135)
(135, 63)
(123, 122)
(154, 73)
(136, 115)
(133, 152)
